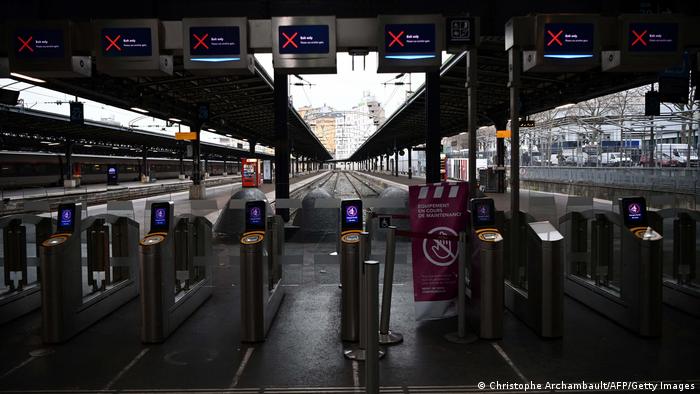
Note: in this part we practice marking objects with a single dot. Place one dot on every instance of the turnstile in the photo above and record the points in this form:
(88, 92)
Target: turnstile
(175, 277)
(350, 260)
(539, 300)
(621, 282)
(20, 290)
(65, 309)
(485, 272)
(681, 287)
(261, 276)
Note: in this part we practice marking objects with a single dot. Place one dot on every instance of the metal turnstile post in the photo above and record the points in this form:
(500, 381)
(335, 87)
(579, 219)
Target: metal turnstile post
(642, 282)
(486, 303)
(360, 352)
(386, 336)
(252, 292)
(350, 297)
(462, 335)
(371, 280)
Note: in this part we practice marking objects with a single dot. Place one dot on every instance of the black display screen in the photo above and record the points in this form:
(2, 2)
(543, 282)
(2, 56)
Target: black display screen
(483, 212)
(633, 211)
(66, 218)
(216, 41)
(160, 217)
(255, 215)
(401, 40)
(39, 43)
(304, 39)
(126, 41)
(652, 37)
(568, 40)
(351, 215)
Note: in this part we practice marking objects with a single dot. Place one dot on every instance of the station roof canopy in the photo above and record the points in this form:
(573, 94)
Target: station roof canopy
(26, 129)
(539, 92)
(239, 105)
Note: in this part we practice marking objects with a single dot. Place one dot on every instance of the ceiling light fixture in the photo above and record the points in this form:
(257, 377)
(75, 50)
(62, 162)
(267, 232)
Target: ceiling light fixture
(28, 78)
(137, 109)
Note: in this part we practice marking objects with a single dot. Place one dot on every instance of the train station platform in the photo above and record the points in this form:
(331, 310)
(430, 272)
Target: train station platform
(303, 352)
(30, 199)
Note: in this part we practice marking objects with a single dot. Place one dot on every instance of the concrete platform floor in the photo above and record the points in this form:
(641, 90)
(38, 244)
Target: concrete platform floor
(303, 352)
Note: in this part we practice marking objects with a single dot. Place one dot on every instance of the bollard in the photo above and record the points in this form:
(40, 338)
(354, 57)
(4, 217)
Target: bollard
(371, 281)
(386, 336)
(359, 353)
(462, 336)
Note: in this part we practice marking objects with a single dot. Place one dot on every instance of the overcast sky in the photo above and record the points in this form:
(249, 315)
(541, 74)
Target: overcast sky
(344, 90)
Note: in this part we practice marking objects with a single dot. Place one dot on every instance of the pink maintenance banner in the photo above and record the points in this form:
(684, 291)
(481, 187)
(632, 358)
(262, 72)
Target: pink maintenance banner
(439, 209)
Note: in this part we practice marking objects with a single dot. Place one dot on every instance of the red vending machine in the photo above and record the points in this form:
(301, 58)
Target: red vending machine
(251, 173)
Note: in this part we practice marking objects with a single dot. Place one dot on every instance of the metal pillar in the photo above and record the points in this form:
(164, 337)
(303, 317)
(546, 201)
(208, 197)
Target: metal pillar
(432, 129)
(69, 160)
(410, 168)
(515, 60)
(182, 163)
(501, 124)
(371, 269)
(396, 163)
(281, 109)
(251, 147)
(471, 118)
(196, 156)
(144, 161)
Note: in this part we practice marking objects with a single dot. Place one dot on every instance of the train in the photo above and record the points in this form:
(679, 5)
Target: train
(35, 169)
(458, 167)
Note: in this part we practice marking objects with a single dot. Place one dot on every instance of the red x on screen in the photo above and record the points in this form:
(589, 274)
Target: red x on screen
(200, 41)
(25, 44)
(555, 38)
(395, 38)
(290, 40)
(113, 43)
(639, 38)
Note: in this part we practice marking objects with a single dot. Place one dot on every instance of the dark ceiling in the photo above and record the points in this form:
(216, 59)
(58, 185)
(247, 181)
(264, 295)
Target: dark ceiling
(240, 105)
(493, 14)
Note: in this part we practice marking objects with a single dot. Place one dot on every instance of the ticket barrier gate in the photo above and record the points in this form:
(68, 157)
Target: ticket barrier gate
(681, 288)
(111, 281)
(537, 298)
(175, 279)
(636, 303)
(261, 277)
(485, 272)
(20, 293)
(350, 260)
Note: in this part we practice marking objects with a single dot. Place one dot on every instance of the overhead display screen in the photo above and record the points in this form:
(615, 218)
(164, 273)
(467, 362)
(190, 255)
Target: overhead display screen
(215, 43)
(126, 42)
(634, 211)
(255, 216)
(303, 39)
(351, 214)
(652, 37)
(409, 41)
(483, 212)
(160, 217)
(568, 40)
(66, 218)
(39, 43)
